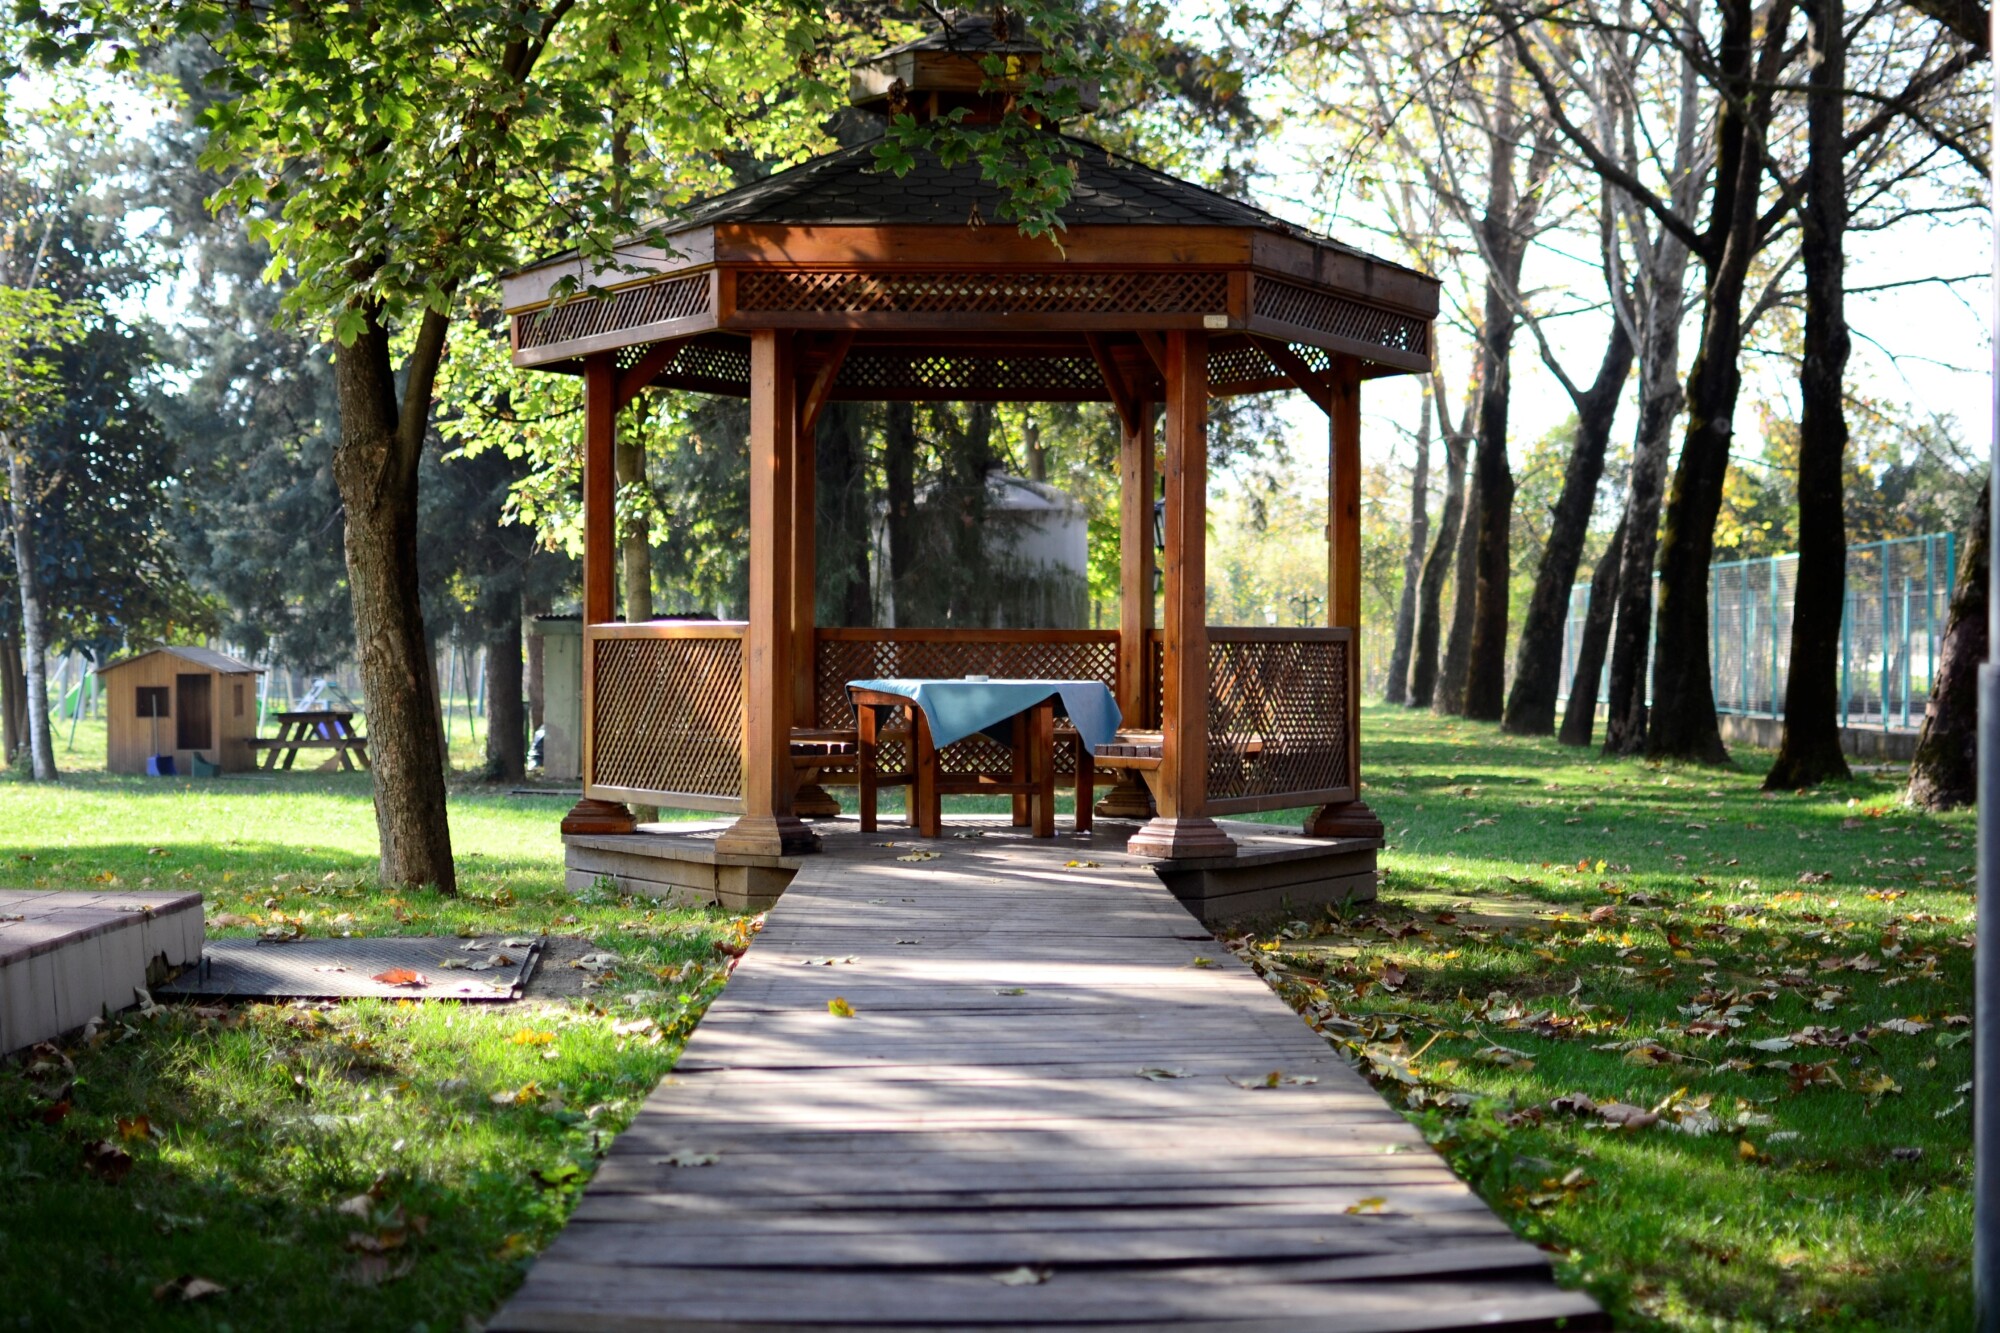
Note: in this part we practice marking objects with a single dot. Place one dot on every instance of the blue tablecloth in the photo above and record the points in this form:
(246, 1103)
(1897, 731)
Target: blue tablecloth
(957, 708)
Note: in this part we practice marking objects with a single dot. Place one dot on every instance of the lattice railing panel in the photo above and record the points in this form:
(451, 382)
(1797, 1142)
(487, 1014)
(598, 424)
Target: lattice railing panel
(634, 307)
(1248, 364)
(1304, 308)
(890, 373)
(1277, 717)
(668, 715)
(1007, 655)
(1160, 292)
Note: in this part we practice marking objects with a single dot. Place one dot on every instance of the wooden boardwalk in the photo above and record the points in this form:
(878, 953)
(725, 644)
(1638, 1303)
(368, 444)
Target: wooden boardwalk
(977, 1148)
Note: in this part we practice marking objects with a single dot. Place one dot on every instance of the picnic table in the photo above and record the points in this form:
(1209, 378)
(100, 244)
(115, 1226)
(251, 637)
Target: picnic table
(1018, 713)
(314, 729)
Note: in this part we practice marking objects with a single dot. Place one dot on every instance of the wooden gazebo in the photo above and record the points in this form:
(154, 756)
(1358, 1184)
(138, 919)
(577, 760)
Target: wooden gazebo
(834, 281)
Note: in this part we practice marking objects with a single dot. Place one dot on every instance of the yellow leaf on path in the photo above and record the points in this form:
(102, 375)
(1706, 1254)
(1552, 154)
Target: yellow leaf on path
(401, 976)
(1081, 865)
(1369, 1205)
(920, 856)
(839, 1007)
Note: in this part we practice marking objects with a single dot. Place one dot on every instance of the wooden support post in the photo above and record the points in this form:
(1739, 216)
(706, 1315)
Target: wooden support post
(768, 827)
(1136, 486)
(809, 798)
(1349, 819)
(1181, 830)
(600, 551)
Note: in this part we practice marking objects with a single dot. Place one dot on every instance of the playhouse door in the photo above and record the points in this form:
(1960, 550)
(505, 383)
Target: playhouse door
(194, 729)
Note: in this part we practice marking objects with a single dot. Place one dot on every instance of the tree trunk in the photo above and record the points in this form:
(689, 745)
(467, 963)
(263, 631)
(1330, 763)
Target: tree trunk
(1430, 594)
(1682, 722)
(1581, 713)
(840, 451)
(375, 468)
(1397, 690)
(536, 682)
(1486, 647)
(899, 467)
(34, 638)
(1631, 642)
(635, 544)
(1531, 704)
(506, 729)
(1944, 772)
(13, 689)
(1450, 696)
(1810, 752)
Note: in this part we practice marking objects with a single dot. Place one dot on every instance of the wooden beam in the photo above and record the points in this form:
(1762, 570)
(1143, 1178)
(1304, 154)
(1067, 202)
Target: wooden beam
(768, 827)
(1156, 348)
(657, 358)
(1114, 384)
(821, 389)
(600, 487)
(1303, 377)
(1180, 787)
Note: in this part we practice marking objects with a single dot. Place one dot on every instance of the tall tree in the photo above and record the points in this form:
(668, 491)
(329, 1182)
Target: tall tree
(1398, 689)
(1449, 696)
(1580, 713)
(1809, 751)
(1444, 550)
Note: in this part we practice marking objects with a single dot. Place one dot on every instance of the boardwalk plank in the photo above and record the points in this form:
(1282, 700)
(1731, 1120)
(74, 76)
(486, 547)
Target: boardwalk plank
(882, 1171)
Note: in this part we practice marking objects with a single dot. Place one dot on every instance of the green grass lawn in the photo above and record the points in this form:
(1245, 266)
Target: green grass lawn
(1765, 999)
(376, 1165)
(1761, 1001)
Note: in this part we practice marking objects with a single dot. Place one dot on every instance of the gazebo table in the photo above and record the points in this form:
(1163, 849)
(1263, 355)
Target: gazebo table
(1033, 776)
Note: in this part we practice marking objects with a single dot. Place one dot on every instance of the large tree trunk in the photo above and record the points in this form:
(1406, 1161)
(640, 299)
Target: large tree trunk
(1397, 691)
(841, 499)
(1631, 642)
(506, 731)
(13, 688)
(1450, 696)
(34, 637)
(375, 466)
(1581, 712)
(1944, 772)
(1809, 752)
(899, 469)
(1531, 704)
(1682, 722)
(1430, 594)
(1493, 563)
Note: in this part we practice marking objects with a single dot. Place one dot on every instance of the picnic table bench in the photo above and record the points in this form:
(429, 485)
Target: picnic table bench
(317, 729)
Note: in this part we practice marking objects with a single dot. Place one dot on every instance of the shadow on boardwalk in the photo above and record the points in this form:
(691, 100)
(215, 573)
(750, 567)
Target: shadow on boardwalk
(1050, 1108)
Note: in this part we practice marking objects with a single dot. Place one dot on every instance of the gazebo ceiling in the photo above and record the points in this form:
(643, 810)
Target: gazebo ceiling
(919, 289)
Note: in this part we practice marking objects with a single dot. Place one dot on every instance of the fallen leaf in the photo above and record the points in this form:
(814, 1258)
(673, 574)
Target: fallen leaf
(1023, 1276)
(401, 976)
(1081, 865)
(530, 1037)
(107, 1161)
(1160, 1075)
(1369, 1205)
(839, 1007)
(920, 856)
(134, 1127)
(187, 1287)
(688, 1157)
(1012, 990)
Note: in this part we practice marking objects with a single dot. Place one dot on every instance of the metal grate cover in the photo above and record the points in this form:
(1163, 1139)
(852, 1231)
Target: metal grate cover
(344, 969)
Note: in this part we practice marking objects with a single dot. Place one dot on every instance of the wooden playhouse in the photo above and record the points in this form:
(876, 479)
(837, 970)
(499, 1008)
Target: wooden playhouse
(180, 701)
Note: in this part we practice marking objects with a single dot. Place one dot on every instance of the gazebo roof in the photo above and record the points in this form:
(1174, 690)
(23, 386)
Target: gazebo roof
(917, 287)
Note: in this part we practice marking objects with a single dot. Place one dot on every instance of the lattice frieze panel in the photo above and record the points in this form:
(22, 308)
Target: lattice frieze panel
(837, 661)
(890, 373)
(1164, 292)
(1277, 717)
(669, 715)
(1304, 308)
(634, 307)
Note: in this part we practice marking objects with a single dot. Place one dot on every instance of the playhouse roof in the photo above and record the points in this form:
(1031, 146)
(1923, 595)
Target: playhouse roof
(206, 658)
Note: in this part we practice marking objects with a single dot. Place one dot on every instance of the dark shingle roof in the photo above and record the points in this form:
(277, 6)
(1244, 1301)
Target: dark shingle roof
(845, 188)
(967, 33)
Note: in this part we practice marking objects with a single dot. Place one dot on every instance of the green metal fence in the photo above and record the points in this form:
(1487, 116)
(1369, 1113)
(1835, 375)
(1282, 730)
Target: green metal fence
(1898, 593)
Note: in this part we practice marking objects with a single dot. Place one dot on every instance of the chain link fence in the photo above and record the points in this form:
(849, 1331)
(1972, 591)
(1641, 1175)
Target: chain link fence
(1898, 593)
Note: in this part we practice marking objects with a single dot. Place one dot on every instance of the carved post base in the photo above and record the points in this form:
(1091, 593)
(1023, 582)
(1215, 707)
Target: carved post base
(815, 802)
(1128, 800)
(1350, 819)
(1181, 839)
(767, 835)
(594, 816)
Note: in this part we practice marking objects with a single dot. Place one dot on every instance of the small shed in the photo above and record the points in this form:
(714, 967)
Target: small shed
(180, 701)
